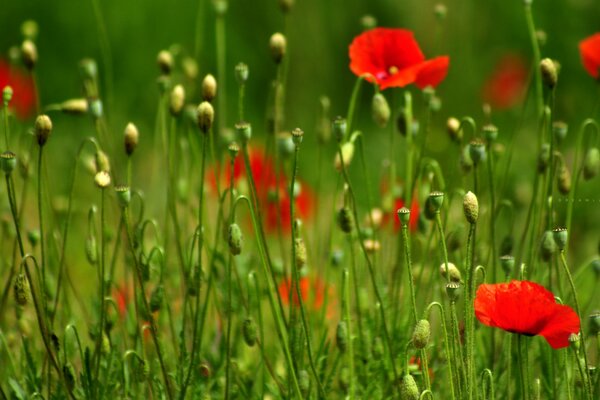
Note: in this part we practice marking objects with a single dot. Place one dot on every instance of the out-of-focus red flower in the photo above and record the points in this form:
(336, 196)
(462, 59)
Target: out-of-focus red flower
(526, 308)
(506, 85)
(415, 362)
(392, 58)
(23, 100)
(589, 48)
(122, 296)
(311, 289)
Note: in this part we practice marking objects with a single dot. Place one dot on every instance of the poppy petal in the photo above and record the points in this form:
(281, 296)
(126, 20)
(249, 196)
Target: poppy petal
(432, 72)
(589, 49)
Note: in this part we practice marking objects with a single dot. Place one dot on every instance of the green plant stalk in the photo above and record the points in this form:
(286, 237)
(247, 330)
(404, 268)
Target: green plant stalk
(272, 294)
(6, 125)
(539, 93)
(440, 228)
(524, 368)
(411, 282)
(352, 104)
(296, 275)
(221, 68)
(346, 310)
(153, 327)
(229, 286)
(490, 162)
(447, 338)
(469, 310)
(587, 379)
(104, 49)
(487, 373)
(198, 30)
(241, 95)
(408, 116)
(369, 266)
(354, 278)
(261, 331)
(102, 290)
(42, 241)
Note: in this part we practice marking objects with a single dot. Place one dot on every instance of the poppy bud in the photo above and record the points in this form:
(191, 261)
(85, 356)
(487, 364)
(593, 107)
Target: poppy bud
(490, 132)
(477, 151)
(421, 334)
(29, 54)
(300, 250)
(471, 207)
(244, 131)
(453, 128)
(91, 250)
(404, 216)
(339, 128)
(177, 100)
(548, 246)
(235, 239)
(466, 163)
(102, 179)
(8, 160)
(507, 262)
(345, 219)
(105, 348)
(278, 45)
(543, 158)
(101, 160)
(453, 290)
(371, 246)
(560, 130)
(560, 237)
(241, 73)
(156, 298)
(440, 11)
(380, 110)
(88, 68)
(591, 163)
(7, 94)
(453, 272)
(347, 151)
(209, 88)
(541, 37)
(341, 336)
(34, 237)
(74, 106)
(337, 257)
(96, 108)
(249, 331)
(206, 116)
(549, 73)
(123, 195)
(368, 22)
(408, 388)
(304, 383)
(297, 135)
(43, 128)
(131, 138)
(165, 62)
(564, 180)
(21, 289)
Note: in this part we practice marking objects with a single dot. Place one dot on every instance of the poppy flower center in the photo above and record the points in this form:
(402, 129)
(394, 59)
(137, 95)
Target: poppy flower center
(393, 70)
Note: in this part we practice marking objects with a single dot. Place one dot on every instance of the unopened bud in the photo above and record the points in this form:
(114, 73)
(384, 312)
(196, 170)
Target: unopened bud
(7, 94)
(564, 180)
(543, 158)
(91, 250)
(371, 245)
(74, 106)
(549, 72)
(380, 110)
(131, 138)
(595, 323)
(96, 108)
(29, 29)
(408, 388)
(452, 273)
(177, 100)
(206, 116)
(102, 179)
(471, 207)
(102, 162)
(235, 239)
(453, 128)
(249, 331)
(341, 336)
(300, 250)
(88, 68)
(43, 128)
(209, 88)
(541, 37)
(591, 163)
(29, 54)
(421, 334)
(278, 45)
(21, 289)
(241, 73)
(347, 151)
(368, 22)
(156, 298)
(165, 61)
(345, 219)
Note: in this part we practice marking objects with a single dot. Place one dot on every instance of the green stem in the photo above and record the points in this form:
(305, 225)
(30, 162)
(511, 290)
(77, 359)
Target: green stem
(100, 332)
(352, 104)
(539, 94)
(469, 310)
(411, 283)
(447, 339)
(346, 311)
(522, 368)
(438, 222)
(229, 285)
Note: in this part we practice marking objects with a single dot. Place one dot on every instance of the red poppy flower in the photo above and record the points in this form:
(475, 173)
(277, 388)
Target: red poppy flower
(590, 54)
(23, 100)
(311, 289)
(392, 58)
(507, 83)
(122, 296)
(526, 308)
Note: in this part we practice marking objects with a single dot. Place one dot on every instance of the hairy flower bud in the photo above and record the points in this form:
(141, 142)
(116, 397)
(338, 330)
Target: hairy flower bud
(209, 88)
(131, 138)
(21, 289)
(177, 100)
(380, 110)
(560, 130)
(102, 162)
(74, 106)
(549, 72)
(278, 45)
(408, 388)
(453, 128)
(43, 128)
(206, 116)
(471, 207)
(29, 54)
(91, 250)
(591, 163)
(347, 151)
(249, 331)
(300, 250)
(165, 61)
(235, 239)
(341, 336)
(421, 334)
(453, 272)
(345, 219)
(564, 180)
(156, 298)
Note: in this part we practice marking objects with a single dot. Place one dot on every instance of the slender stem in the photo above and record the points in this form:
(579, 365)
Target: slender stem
(352, 104)
(104, 49)
(438, 222)
(469, 310)
(346, 311)
(447, 339)
(221, 69)
(539, 94)
(229, 285)
(100, 332)
(522, 368)
(411, 283)
(408, 117)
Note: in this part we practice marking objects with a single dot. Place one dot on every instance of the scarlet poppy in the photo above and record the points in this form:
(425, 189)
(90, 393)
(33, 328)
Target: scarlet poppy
(507, 83)
(590, 54)
(526, 308)
(23, 99)
(311, 289)
(392, 58)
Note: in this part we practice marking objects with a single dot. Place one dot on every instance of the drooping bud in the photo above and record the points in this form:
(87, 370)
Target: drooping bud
(341, 336)
(250, 331)
(471, 207)
(339, 128)
(165, 61)
(380, 110)
(548, 246)
(209, 88)
(102, 162)
(408, 388)
(286, 5)
(206, 116)
(241, 73)
(453, 272)
(454, 131)
(131, 138)
(507, 262)
(91, 250)
(278, 45)
(560, 237)
(177, 100)
(300, 250)
(29, 54)
(591, 163)
(156, 298)
(8, 160)
(345, 220)
(347, 151)
(75, 106)
(102, 179)
(421, 334)
(564, 180)
(235, 239)
(549, 73)
(21, 289)
(43, 128)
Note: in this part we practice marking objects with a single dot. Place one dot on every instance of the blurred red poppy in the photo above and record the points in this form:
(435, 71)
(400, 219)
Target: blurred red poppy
(311, 289)
(526, 308)
(392, 58)
(122, 296)
(506, 85)
(590, 54)
(23, 99)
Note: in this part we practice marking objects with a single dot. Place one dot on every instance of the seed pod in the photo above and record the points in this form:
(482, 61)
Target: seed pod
(543, 158)
(507, 262)
(453, 272)
(209, 88)
(591, 163)
(564, 180)
(235, 239)
(278, 45)
(347, 151)
(304, 383)
(8, 160)
(548, 246)
(300, 250)
(471, 207)
(339, 127)
(408, 388)
(477, 151)
(241, 73)
(21, 289)
(91, 250)
(43, 128)
(453, 290)
(560, 237)
(341, 336)
(345, 220)
(421, 334)
(250, 331)
(131, 138)
(560, 130)
(380, 110)
(156, 298)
